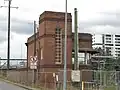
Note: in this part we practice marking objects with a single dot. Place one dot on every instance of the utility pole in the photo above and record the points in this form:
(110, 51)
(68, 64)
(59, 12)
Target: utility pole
(8, 49)
(34, 71)
(34, 38)
(76, 45)
(65, 51)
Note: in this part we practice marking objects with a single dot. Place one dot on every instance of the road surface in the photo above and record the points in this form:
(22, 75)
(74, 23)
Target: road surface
(8, 86)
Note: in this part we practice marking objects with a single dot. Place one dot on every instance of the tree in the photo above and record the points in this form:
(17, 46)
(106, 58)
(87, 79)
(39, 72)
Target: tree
(110, 64)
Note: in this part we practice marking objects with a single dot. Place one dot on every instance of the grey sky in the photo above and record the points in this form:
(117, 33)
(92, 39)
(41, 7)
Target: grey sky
(94, 16)
(17, 26)
(2, 37)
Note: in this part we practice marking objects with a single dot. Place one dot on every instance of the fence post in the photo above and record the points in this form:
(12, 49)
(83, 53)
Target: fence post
(45, 80)
(81, 80)
(82, 85)
(104, 78)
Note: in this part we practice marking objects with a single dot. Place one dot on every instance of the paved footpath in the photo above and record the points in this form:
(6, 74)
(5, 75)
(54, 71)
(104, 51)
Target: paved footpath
(8, 86)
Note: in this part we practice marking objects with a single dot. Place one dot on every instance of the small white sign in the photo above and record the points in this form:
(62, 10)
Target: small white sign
(33, 62)
(75, 75)
(33, 67)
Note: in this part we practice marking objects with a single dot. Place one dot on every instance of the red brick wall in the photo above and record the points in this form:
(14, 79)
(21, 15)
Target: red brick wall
(49, 21)
(49, 50)
(42, 28)
(85, 43)
(31, 50)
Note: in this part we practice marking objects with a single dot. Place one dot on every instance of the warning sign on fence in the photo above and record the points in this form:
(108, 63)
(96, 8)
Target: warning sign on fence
(75, 75)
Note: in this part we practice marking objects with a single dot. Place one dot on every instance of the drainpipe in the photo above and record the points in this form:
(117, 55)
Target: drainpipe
(75, 41)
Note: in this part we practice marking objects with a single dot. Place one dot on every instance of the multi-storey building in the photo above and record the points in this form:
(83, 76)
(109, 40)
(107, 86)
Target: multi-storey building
(107, 42)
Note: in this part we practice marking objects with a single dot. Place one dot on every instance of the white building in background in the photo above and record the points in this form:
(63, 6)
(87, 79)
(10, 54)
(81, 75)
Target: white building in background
(107, 41)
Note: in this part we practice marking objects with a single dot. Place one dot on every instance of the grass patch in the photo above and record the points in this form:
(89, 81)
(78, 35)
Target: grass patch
(110, 88)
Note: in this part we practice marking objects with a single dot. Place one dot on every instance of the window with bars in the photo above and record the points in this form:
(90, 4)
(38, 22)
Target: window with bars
(58, 46)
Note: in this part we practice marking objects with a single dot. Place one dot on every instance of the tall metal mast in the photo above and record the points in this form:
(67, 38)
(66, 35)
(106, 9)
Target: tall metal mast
(75, 41)
(65, 50)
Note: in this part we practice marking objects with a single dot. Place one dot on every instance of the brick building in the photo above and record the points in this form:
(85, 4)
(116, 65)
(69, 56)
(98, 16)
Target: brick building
(50, 42)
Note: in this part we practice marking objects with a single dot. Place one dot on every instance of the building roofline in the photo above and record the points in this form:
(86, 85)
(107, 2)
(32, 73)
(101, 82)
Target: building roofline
(89, 50)
(45, 12)
(31, 37)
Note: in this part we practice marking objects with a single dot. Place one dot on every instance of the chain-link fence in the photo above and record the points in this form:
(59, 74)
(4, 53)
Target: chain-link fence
(89, 86)
(42, 80)
(102, 80)
(89, 79)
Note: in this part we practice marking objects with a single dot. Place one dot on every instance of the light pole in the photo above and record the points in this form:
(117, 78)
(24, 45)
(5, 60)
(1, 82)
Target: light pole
(76, 44)
(8, 53)
(8, 49)
(65, 50)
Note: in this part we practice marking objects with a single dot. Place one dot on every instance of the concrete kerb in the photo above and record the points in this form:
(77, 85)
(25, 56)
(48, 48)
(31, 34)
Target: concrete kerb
(20, 85)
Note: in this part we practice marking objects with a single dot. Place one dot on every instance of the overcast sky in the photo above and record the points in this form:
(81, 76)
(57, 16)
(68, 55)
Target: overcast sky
(94, 16)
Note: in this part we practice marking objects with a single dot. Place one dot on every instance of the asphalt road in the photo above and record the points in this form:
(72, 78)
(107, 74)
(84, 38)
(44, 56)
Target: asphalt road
(7, 86)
